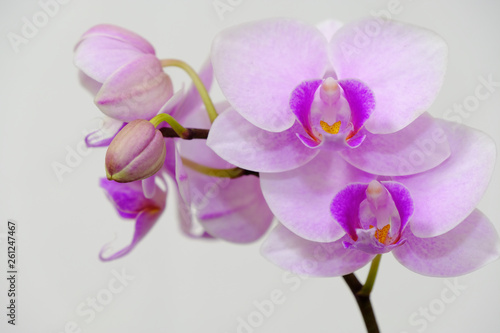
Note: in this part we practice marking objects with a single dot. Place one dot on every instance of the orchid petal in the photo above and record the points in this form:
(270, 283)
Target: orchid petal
(402, 64)
(121, 34)
(257, 66)
(101, 57)
(247, 146)
(293, 253)
(301, 198)
(135, 91)
(418, 147)
(470, 245)
(448, 193)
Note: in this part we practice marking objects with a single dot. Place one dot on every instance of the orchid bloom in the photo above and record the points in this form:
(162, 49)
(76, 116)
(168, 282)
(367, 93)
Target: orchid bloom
(428, 220)
(121, 68)
(296, 89)
(130, 203)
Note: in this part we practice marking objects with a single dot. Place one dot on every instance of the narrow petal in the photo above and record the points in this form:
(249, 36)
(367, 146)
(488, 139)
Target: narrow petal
(300, 102)
(135, 91)
(345, 208)
(361, 102)
(419, 147)
(293, 253)
(121, 34)
(145, 221)
(464, 249)
(103, 136)
(448, 193)
(402, 64)
(301, 198)
(100, 57)
(239, 142)
(257, 66)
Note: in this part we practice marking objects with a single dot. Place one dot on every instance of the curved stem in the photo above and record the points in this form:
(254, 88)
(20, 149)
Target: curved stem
(372, 274)
(221, 173)
(364, 303)
(163, 117)
(212, 113)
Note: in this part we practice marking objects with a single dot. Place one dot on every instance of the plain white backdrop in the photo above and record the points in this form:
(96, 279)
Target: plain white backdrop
(177, 284)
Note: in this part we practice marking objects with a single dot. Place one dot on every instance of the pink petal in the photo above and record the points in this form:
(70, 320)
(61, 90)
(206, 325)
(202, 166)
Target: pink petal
(464, 249)
(448, 193)
(239, 142)
(293, 253)
(136, 91)
(100, 57)
(257, 66)
(402, 64)
(121, 34)
(420, 146)
(301, 198)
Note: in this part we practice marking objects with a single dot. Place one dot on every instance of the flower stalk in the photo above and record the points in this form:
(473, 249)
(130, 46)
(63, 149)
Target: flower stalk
(209, 105)
(364, 303)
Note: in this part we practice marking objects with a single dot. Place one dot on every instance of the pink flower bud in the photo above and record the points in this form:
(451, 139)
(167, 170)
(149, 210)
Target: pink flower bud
(121, 68)
(137, 152)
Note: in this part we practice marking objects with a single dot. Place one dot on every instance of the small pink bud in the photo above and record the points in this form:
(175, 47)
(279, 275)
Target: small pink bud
(137, 152)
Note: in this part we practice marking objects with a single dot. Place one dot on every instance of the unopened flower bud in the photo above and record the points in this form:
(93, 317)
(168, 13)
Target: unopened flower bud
(137, 152)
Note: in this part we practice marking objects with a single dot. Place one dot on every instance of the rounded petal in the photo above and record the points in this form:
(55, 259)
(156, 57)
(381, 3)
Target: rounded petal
(239, 142)
(420, 146)
(301, 198)
(466, 248)
(293, 253)
(100, 57)
(257, 66)
(121, 34)
(402, 64)
(135, 91)
(448, 193)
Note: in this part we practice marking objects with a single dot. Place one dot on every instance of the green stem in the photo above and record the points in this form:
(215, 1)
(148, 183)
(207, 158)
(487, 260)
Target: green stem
(163, 117)
(372, 275)
(212, 172)
(212, 113)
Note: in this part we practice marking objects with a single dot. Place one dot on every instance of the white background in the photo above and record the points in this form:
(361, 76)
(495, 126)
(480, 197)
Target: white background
(184, 285)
